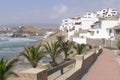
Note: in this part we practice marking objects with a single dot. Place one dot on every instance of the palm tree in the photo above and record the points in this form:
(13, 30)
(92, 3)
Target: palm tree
(79, 48)
(53, 50)
(60, 39)
(65, 47)
(6, 68)
(33, 54)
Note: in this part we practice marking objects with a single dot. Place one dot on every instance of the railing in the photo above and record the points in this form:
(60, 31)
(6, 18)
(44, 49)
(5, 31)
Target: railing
(60, 67)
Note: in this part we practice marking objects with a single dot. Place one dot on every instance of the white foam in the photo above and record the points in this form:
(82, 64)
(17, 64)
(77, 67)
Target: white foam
(21, 39)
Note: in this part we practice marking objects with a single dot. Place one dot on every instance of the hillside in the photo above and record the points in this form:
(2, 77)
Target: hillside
(32, 30)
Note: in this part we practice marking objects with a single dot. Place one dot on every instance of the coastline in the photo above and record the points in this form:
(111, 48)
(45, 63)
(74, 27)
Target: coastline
(24, 64)
(10, 46)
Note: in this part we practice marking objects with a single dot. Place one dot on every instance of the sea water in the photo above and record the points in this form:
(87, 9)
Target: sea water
(10, 46)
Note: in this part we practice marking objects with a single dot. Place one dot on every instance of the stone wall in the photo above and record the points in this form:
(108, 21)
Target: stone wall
(102, 42)
(81, 68)
(88, 61)
(95, 42)
(110, 43)
(33, 74)
(83, 63)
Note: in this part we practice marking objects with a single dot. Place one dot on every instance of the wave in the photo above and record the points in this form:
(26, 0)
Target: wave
(9, 39)
(4, 38)
(10, 46)
(21, 39)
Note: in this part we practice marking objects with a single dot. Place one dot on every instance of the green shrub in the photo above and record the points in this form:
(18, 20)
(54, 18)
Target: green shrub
(118, 44)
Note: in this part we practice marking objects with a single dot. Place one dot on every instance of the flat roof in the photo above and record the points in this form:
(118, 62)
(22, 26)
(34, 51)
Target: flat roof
(115, 27)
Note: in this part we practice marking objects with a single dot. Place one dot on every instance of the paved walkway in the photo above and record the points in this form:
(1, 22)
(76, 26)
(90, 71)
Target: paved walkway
(105, 68)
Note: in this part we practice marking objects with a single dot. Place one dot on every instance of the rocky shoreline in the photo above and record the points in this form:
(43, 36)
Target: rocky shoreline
(25, 31)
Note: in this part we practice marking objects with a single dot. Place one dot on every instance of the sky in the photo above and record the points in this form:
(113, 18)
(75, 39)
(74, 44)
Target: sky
(30, 12)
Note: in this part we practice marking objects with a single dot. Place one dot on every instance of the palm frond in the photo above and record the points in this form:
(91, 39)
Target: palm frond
(66, 47)
(6, 68)
(33, 54)
(52, 49)
(79, 48)
(10, 64)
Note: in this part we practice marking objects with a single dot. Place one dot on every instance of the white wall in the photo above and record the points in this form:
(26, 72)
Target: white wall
(90, 15)
(66, 24)
(107, 12)
(104, 31)
(70, 33)
(87, 22)
(70, 24)
(99, 33)
(109, 23)
(79, 40)
(77, 27)
(84, 34)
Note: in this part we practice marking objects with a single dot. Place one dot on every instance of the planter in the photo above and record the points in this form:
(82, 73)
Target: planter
(79, 57)
(68, 59)
(79, 60)
(53, 64)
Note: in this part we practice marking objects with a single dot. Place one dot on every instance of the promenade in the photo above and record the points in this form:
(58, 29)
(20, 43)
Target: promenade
(105, 67)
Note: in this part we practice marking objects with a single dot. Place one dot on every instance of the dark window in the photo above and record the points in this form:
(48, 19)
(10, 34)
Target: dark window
(109, 15)
(66, 21)
(114, 12)
(110, 31)
(89, 14)
(118, 31)
(77, 23)
(97, 31)
(104, 10)
(104, 13)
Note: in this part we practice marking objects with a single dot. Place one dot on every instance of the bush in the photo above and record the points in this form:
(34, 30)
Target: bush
(118, 44)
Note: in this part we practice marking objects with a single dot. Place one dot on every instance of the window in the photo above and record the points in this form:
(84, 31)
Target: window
(109, 15)
(89, 14)
(104, 10)
(66, 21)
(118, 32)
(92, 33)
(114, 12)
(77, 23)
(104, 13)
(97, 32)
(110, 31)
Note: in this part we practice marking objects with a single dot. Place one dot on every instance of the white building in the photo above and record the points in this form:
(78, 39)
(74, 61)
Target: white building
(87, 22)
(107, 12)
(101, 29)
(70, 24)
(90, 15)
(115, 30)
(92, 25)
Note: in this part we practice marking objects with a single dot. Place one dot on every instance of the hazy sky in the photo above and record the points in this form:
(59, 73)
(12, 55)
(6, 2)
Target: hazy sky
(48, 11)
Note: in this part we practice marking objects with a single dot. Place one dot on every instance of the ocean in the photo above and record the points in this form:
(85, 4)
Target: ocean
(10, 46)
